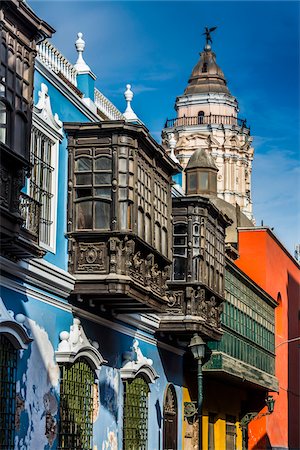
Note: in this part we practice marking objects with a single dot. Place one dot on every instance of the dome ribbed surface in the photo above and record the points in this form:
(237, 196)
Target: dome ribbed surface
(201, 159)
(207, 76)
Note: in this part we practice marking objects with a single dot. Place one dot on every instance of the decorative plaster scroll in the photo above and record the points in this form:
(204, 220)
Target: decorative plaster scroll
(13, 328)
(75, 344)
(43, 111)
(137, 364)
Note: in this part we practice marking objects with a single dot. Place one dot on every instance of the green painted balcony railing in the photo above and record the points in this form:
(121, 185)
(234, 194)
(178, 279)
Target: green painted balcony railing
(239, 348)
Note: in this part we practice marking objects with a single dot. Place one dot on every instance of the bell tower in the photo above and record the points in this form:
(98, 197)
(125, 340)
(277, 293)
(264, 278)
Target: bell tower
(207, 117)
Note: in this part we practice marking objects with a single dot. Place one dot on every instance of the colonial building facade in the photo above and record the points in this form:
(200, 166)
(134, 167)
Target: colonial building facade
(106, 280)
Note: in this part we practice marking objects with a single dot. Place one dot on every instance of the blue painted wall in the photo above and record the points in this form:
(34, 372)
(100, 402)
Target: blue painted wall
(38, 375)
(67, 112)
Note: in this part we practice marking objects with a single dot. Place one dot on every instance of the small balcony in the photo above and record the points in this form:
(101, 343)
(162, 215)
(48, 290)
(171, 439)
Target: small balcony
(30, 213)
(193, 309)
(23, 240)
(211, 119)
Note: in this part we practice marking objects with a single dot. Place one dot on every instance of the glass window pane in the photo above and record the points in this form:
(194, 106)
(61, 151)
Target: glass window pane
(103, 163)
(84, 217)
(102, 215)
(179, 250)
(125, 219)
(123, 193)
(123, 165)
(192, 181)
(164, 242)
(148, 229)
(2, 113)
(103, 192)
(179, 268)
(180, 228)
(123, 179)
(83, 192)
(102, 178)
(83, 165)
(84, 178)
(203, 181)
(179, 240)
(157, 237)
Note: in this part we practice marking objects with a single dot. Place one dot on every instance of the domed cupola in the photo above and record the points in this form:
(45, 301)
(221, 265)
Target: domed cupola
(207, 75)
(201, 172)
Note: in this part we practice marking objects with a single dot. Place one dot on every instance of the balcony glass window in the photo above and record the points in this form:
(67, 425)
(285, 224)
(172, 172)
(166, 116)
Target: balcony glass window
(93, 194)
(180, 250)
(3, 122)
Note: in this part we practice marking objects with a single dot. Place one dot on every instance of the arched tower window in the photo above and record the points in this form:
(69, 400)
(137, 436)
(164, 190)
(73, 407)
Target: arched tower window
(76, 406)
(135, 427)
(204, 68)
(170, 419)
(200, 117)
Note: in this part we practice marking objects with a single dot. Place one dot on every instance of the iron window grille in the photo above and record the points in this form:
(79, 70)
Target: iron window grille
(135, 429)
(8, 369)
(76, 407)
(41, 181)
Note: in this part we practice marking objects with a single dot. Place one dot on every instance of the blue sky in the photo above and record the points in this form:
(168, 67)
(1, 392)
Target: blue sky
(154, 46)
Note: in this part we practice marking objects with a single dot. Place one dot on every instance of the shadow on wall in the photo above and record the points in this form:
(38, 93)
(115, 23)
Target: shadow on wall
(293, 295)
(263, 443)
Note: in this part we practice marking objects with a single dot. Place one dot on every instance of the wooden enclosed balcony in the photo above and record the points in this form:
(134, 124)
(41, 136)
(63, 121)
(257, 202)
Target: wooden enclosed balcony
(119, 211)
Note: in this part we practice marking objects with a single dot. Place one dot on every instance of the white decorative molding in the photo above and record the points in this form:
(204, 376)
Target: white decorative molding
(137, 364)
(81, 66)
(129, 114)
(13, 327)
(75, 344)
(172, 145)
(42, 110)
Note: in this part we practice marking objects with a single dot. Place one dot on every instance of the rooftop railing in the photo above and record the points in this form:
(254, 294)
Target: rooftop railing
(211, 119)
(106, 106)
(56, 62)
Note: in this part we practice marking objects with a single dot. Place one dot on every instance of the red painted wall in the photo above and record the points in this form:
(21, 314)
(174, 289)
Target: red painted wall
(265, 260)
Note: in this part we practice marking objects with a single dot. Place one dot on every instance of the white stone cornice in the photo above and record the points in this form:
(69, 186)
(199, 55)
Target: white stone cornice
(13, 327)
(42, 274)
(74, 345)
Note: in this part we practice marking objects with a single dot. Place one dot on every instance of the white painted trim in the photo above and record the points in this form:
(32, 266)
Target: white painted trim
(48, 299)
(65, 90)
(41, 274)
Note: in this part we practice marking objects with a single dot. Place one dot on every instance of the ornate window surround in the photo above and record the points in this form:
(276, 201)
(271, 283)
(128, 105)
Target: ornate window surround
(75, 345)
(137, 364)
(13, 328)
(48, 124)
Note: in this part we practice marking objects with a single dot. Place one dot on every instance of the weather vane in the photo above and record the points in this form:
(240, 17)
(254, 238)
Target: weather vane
(207, 35)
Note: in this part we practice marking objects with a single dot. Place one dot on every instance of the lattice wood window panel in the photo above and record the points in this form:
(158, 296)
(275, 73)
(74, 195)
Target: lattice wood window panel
(8, 369)
(135, 428)
(76, 407)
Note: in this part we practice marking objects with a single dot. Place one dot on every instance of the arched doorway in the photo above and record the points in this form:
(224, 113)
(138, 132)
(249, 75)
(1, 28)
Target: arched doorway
(170, 419)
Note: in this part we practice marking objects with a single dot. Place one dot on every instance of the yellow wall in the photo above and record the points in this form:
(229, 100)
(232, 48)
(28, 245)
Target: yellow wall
(220, 399)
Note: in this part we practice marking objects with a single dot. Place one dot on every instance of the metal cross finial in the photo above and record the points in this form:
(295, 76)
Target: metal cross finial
(207, 33)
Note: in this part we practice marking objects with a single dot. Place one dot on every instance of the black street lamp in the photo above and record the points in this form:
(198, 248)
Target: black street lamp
(197, 346)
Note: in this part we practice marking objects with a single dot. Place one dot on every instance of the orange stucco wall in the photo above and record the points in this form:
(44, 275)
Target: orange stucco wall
(265, 260)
